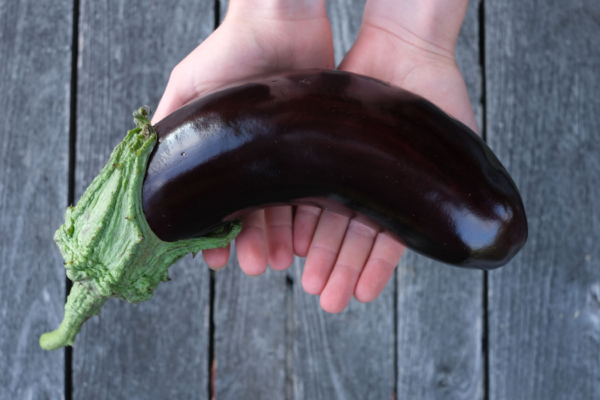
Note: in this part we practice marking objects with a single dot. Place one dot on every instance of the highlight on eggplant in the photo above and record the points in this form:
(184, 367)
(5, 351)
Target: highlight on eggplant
(336, 140)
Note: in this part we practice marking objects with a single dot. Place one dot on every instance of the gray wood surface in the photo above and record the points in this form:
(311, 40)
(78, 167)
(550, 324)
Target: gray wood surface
(468, 58)
(35, 77)
(158, 349)
(349, 355)
(440, 308)
(422, 339)
(345, 17)
(543, 112)
(251, 334)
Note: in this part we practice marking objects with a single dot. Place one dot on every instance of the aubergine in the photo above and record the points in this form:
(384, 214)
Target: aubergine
(343, 142)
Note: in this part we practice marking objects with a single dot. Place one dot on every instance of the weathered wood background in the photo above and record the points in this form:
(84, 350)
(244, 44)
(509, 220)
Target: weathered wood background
(72, 71)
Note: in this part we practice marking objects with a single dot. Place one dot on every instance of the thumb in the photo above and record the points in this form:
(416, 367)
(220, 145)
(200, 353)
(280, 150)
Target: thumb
(216, 61)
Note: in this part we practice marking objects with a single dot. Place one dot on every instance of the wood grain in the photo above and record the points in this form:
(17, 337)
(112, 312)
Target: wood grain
(35, 77)
(250, 334)
(158, 349)
(543, 75)
(349, 355)
(440, 308)
(271, 339)
(468, 54)
(345, 17)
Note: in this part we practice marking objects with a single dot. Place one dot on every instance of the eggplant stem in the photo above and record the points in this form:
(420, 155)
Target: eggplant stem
(109, 248)
(81, 305)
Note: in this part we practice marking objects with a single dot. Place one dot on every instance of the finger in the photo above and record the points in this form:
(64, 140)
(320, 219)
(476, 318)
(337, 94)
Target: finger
(354, 253)
(305, 225)
(279, 237)
(216, 61)
(380, 267)
(182, 87)
(171, 99)
(216, 258)
(323, 251)
(251, 244)
(196, 74)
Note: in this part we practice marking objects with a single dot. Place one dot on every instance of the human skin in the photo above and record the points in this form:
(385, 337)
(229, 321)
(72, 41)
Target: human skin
(409, 43)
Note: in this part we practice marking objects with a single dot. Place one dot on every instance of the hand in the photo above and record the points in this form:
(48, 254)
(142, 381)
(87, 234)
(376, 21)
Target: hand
(410, 44)
(257, 36)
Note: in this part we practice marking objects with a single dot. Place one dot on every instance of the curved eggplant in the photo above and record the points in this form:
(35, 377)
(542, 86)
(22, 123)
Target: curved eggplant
(343, 142)
(340, 141)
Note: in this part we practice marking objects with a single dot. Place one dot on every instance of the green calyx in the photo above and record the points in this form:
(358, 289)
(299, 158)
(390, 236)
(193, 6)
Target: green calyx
(107, 244)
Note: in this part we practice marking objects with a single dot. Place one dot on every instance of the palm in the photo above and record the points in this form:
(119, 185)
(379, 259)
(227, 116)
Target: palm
(434, 76)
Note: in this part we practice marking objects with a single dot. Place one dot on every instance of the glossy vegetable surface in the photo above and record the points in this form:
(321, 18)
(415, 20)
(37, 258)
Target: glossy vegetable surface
(344, 142)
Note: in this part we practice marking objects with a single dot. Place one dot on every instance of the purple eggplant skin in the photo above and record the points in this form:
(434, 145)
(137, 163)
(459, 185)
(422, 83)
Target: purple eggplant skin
(346, 143)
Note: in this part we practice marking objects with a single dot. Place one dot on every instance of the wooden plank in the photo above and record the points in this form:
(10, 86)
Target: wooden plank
(440, 307)
(439, 331)
(348, 355)
(543, 112)
(345, 17)
(250, 334)
(223, 6)
(159, 349)
(468, 58)
(35, 77)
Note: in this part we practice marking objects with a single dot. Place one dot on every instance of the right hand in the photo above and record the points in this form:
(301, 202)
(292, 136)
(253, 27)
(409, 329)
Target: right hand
(256, 37)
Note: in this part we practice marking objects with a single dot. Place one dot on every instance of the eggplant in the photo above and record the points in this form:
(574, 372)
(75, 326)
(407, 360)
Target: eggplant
(344, 142)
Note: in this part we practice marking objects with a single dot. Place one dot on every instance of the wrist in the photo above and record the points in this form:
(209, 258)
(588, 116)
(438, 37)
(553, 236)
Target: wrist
(431, 25)
(277, 9)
